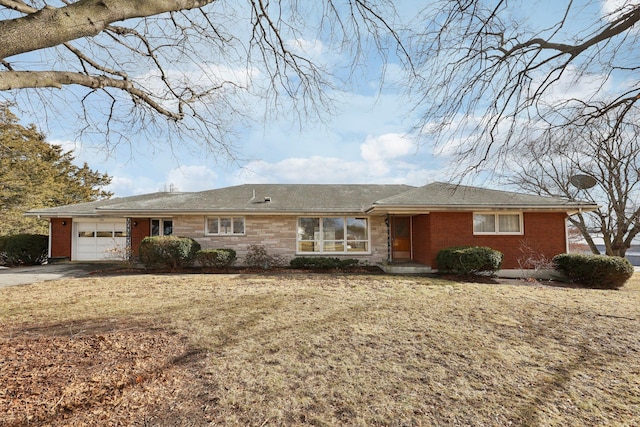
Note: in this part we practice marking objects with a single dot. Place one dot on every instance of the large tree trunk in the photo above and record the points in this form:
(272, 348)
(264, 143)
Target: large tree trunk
(580, 224)
(54, 26)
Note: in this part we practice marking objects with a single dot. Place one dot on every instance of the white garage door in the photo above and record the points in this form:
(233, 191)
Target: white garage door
(97, 241)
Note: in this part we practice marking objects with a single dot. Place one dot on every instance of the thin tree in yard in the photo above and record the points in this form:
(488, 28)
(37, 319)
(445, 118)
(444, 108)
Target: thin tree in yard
(498, 73)
(607, 149)
(190, 67)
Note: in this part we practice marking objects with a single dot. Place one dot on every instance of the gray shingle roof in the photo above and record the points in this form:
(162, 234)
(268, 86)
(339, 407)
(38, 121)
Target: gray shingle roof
(281, 198)
(312, 198)
(90, 208)
(244, 198)
(443, 195)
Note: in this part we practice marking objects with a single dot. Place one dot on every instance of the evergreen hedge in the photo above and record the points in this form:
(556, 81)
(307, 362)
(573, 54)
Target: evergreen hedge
(469, 260)
(23, 249)
(168, 251)
(594, 271)
(218, 258)
(322, 263)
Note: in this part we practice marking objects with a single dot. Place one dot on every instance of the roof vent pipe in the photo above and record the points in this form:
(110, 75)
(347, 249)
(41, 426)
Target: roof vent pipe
(267, 199)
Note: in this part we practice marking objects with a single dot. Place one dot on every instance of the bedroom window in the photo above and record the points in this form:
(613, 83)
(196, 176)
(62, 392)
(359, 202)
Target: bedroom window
(333, 235)
(497, 223)
(225, 226)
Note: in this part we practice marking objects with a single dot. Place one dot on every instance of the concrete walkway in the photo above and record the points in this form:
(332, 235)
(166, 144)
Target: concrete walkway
(40, 273)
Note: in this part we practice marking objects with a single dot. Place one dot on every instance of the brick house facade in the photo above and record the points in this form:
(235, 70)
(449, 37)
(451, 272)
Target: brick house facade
(394, 223)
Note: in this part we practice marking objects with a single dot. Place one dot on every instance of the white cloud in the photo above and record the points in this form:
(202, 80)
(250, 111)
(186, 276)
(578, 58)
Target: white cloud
(191, 178)
(309, 48)
(312, 170)
(385, 147)
(204, 76)
(68, 146)
(379, 152)
(126, 186)
(576, 84)
(382, 161)
(612, 9)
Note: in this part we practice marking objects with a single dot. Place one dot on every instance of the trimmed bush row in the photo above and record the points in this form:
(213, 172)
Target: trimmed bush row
(594, 271)
(23, 249)
(218, 258)
(322, 263)
(168, 251)
(469, 260)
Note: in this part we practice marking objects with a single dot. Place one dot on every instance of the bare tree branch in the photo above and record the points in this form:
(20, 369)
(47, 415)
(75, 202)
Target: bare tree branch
(193, 62)
(84, 18)
(58, 79)
(493, 81)
(606, 149)
(18, 6)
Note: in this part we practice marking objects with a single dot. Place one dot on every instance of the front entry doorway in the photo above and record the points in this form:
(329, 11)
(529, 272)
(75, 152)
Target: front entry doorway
(401, 238)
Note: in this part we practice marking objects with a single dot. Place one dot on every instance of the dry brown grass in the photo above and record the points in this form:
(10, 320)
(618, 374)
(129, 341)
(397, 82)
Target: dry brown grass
(331, 350)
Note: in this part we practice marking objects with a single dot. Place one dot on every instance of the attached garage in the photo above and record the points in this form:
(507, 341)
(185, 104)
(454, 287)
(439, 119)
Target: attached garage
(99, 240)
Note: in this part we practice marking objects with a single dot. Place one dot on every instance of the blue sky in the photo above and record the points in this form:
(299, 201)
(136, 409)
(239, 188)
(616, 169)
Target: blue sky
(363, 141)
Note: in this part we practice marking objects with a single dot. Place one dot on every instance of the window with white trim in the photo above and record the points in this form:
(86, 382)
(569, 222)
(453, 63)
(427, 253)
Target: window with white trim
(333, 235)
(224, 226)
(161, 227)
(497, 223)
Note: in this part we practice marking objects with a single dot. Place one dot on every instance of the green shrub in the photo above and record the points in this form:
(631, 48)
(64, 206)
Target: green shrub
(218, 258)
(322, 263)
(24, 249)
(3, 253)
(257, 257)
(469, 260)
(168, 251)
(594, 271)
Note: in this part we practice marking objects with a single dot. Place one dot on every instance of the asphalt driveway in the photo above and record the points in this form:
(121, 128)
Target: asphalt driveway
(40, 273)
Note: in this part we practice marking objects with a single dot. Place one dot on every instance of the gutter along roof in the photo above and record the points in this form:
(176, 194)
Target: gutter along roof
(278, 199)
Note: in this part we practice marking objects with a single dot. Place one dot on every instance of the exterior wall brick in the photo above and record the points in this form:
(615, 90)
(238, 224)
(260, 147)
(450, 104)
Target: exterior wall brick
(276, 233)
(61, 237)
(544, 236)
(421, 238)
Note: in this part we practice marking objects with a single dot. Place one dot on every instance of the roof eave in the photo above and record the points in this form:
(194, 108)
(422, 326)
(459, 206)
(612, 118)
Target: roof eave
(230, 211)
(407, 209)
(65, 215)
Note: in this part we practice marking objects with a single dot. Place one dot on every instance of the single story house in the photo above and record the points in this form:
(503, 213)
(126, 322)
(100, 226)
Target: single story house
(378, 224)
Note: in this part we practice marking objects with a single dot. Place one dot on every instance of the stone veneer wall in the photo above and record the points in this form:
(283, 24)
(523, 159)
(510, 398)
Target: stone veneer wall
(276, 233)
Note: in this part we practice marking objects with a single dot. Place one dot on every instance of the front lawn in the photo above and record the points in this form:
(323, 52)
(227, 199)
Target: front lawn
(306, 349)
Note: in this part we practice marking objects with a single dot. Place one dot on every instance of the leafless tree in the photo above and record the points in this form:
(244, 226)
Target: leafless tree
(493, 77)
(190, 66)
(606, 149)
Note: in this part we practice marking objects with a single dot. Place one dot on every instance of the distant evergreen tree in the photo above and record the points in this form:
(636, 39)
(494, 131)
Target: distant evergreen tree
(36, 174)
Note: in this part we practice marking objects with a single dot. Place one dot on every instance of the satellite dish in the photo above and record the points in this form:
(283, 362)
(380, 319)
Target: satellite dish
(583, 182)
